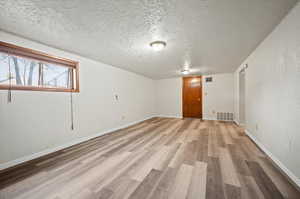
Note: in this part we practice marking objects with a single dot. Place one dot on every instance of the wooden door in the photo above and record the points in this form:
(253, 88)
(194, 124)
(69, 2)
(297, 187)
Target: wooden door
(192, 97)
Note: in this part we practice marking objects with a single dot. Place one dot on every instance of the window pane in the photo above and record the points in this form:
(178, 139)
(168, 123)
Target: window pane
(55, 76)
(4, 74)
(32, 74)
(24, 71)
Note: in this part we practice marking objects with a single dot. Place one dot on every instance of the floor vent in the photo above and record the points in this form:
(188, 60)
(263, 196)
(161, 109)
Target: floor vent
(224, 116)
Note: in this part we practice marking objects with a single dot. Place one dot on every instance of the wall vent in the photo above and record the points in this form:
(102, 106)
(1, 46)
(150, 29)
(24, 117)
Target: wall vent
(224, 116)
(208, 79)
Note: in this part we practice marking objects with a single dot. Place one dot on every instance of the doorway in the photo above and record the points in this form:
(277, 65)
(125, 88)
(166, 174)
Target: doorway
(192, 97)
(242, 104)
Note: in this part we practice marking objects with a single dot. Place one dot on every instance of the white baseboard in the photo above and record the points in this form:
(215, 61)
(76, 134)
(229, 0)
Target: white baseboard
(77, 141)
(214, 119)
(292, 177)
(180, 117)
(236, 122)
(170, 116)
(208, 118)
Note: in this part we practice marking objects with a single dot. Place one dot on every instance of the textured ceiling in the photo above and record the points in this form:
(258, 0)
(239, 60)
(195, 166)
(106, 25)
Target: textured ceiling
(211, 36)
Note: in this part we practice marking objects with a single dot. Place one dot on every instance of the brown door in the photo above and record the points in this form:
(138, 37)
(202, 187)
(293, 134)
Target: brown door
(192, 97)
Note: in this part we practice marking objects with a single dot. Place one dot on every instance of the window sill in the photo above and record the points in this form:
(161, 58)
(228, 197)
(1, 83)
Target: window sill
(34, 88)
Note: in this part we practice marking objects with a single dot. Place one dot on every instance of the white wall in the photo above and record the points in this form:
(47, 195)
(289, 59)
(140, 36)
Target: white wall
(169, 97)
(39, 121)
(217, 96)
(273, 93)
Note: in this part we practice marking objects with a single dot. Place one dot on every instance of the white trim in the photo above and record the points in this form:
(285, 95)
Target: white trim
(180, 117)
(77, 141)
(208, 118)
(214, 119)
(236, 122)
(170, 116)
(293, 177)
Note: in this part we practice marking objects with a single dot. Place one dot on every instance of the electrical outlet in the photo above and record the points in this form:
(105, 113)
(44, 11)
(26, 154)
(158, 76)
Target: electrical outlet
(256, 127)
(123, 117)
(213, 112)
(290, 144)
(117, 97)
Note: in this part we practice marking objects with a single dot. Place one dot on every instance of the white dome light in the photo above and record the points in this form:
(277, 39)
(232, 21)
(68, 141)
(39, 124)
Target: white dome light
(185, 71)
(158, 45)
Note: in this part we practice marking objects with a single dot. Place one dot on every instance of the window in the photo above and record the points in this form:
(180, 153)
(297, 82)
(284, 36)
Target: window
(25, 69)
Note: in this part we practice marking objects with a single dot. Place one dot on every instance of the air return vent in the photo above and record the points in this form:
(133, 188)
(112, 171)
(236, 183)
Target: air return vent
(224, 116)
(208, 79)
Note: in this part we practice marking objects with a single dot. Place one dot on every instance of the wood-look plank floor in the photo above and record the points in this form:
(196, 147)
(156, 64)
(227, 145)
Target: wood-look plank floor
(157, 159)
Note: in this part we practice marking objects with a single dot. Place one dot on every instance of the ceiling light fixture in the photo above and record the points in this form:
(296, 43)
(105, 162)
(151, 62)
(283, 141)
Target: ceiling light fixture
(158, 45)
(185, 71)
